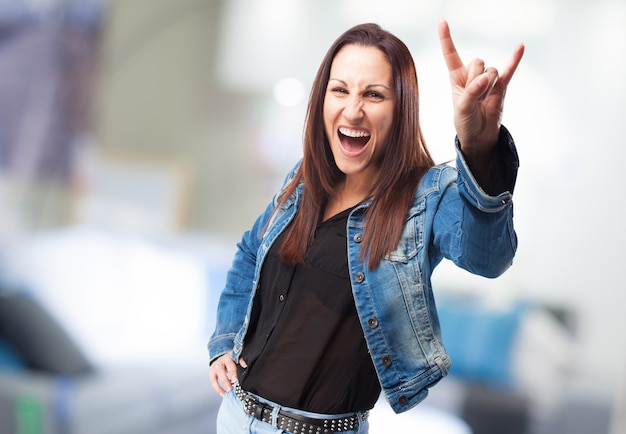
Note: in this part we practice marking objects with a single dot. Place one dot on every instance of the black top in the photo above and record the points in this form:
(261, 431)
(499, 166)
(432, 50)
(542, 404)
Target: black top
(305, 347)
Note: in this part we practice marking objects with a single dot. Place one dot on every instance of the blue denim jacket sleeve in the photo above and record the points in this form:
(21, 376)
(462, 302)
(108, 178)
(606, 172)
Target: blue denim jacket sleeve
(236, 295)
(485, 240)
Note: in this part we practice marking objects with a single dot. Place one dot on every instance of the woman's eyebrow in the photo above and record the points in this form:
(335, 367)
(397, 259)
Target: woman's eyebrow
(369, 86)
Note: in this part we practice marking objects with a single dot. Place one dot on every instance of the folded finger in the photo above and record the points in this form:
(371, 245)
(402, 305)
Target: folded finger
(231, 371)
(474, 69)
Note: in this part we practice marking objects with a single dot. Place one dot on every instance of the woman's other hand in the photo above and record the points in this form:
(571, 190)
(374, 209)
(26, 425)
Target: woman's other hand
(223, 373)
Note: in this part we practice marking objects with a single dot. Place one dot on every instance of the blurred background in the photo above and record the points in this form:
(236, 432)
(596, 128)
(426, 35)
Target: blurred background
(140, 138)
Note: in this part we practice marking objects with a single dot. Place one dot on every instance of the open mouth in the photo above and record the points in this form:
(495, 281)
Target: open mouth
(353, 141)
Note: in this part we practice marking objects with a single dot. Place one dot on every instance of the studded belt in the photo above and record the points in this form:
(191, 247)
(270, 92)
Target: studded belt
(295, 423)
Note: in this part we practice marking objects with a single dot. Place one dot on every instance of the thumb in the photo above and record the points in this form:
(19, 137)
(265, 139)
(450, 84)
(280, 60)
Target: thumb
(482, 85)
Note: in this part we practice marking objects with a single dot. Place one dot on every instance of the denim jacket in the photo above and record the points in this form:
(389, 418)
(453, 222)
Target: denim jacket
(451, 217)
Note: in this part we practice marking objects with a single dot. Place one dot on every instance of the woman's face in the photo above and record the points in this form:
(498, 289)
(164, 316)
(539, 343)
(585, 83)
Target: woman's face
(358, 110)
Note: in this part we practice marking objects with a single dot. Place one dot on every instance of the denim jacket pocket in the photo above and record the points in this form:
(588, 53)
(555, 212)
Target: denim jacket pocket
(412, 239)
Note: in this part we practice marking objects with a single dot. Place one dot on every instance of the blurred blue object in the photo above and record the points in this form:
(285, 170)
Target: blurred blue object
(10, 360)
(479, 339)
(48, 58)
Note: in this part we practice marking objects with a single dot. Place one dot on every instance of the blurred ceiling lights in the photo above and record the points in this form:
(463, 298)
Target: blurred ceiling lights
(289, 91)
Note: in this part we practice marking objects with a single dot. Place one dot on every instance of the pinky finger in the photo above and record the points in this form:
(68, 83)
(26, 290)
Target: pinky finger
(511, 67)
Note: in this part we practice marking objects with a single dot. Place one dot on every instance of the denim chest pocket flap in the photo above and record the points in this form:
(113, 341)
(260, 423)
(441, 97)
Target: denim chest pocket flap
(412, 239)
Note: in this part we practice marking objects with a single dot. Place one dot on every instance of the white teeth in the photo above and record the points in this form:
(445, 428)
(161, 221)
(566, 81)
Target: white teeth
(353, 133)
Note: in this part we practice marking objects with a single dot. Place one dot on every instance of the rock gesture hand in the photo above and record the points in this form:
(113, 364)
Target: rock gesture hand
(478, 99)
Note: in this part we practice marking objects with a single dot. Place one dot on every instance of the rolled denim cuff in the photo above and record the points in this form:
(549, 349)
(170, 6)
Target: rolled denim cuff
(502, 169)
(220, 345)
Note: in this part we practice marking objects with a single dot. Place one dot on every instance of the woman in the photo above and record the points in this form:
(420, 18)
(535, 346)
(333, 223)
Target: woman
(329, 298)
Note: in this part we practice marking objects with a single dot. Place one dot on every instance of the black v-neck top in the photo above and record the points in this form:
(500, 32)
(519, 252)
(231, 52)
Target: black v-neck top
(305, 347)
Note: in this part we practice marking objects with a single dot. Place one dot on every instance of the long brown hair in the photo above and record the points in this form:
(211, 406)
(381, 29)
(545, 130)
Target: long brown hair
(405, 160)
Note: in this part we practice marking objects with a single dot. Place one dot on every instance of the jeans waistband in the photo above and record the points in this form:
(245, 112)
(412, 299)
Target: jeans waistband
(293, 422)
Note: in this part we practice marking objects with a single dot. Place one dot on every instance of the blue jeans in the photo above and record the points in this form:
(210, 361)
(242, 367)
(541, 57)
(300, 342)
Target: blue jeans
(231, 419)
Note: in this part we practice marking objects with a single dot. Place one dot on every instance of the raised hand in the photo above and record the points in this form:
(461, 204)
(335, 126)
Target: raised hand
(478, 98)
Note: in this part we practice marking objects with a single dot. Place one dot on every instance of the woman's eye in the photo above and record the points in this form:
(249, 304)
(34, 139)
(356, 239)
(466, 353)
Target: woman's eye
(340, 90)
(374, 95)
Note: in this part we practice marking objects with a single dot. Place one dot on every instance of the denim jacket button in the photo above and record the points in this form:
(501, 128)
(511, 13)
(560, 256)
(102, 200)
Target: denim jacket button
(360, 277)
(403, 400)
(386, 360)
(358, 238)
(372, 323)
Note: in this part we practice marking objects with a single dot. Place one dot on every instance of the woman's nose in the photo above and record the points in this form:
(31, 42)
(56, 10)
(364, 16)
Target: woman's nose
(353, 109)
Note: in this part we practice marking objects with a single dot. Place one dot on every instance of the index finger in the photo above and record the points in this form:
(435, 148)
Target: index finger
(451, 56)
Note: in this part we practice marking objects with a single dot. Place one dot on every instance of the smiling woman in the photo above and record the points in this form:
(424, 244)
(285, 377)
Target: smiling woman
(358, 115)
(329, 299)
(367, 84)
